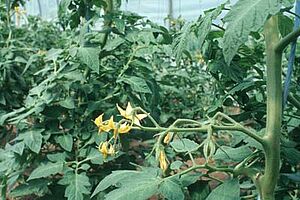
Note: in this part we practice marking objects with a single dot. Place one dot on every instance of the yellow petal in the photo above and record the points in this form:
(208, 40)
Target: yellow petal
(124, 128)
(98, 120)
(163, 164)
(141, 116)
(129, 110)
(111, 150)
(103, 149)
(136, 121)
(168, 138)
(111, 123)
(122, 112)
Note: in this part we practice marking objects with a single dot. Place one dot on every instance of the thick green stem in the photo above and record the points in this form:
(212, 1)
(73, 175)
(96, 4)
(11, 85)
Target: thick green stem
(268, 181)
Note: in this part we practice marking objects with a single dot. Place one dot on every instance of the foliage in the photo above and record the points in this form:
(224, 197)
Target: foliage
(57, 78)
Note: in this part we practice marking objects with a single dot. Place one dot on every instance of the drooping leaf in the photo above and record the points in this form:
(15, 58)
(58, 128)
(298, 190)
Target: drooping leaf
(204, 25)
(201, 28)
(46, 170)
(180, 41)
(229, 190)
(171, 190)
(113, 179)
(141, 189)
(199, 190)
(184, 145)
(137, 84)
(37, 187)
(226, 153)
(33, 140)
(131, 184)
(245, 17)
(68, 103)
(90, 57)
(77, 185)
(112, 44)
(65, 141)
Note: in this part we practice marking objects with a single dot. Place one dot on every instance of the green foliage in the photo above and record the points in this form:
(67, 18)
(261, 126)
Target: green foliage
(55, 79)
(76, 185)
(243, 18)
(139, 185)
(222, 191)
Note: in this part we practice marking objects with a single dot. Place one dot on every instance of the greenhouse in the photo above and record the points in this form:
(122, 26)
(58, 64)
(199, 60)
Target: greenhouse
(149, 100)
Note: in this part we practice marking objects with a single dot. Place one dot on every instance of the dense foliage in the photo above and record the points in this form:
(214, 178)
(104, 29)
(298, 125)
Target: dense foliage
(57, 78)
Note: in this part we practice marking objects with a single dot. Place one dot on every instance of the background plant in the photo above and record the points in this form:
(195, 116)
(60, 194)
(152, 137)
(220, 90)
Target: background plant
(50, 144)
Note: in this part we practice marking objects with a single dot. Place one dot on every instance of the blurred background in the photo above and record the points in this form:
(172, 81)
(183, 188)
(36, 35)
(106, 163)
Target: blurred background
(155, 10)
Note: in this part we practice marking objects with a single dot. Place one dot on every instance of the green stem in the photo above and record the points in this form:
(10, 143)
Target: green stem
(204, 128)
(274, 48)
(295, 102)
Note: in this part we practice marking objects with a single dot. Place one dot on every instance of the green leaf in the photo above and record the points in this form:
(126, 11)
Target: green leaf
(188, 179)
(226, 153)
(63, 7)
(171, 190)
(77, 185)
(68, 103)
(199, 190)
(18, 148)
(112, 44)
(33, 140)
(285, 24)
(292, 176)
(142, 189)
(143, 184)
(180, 42)
(204, 25)
(46, 170)
(113, 179)
(184, 145)
(288, 3)
(229, 190)
(36, 187)
(137, 84)
(244, 17)
(95, 157)
(53, 54)
(57, 157)
(176, 164)
(291, 154)
(65, 141)
(90, 57)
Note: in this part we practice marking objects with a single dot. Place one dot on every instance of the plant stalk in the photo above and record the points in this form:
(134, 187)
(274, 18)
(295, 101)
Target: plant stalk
(268, 181)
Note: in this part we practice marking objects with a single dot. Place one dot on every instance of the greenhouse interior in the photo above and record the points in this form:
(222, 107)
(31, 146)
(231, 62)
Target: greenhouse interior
(149, 100)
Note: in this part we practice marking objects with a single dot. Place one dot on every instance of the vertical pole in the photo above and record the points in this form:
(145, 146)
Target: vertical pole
(40, 8)
(170, 13)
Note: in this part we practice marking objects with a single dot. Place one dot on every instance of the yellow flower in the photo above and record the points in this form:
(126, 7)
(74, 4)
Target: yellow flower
(168, 138)
(103, 148)
(99, 120)
(163, 162)
(104, 125)
(111, 150)
(124, 128)
(17, 9)
(128, 114)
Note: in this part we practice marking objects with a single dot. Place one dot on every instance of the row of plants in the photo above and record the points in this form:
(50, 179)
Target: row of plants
(188, 98)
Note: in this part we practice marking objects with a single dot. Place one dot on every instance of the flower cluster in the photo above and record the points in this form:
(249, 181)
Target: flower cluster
(163, 161)
(123, 126)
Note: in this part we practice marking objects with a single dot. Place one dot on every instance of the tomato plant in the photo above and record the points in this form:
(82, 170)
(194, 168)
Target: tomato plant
(105, 104)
